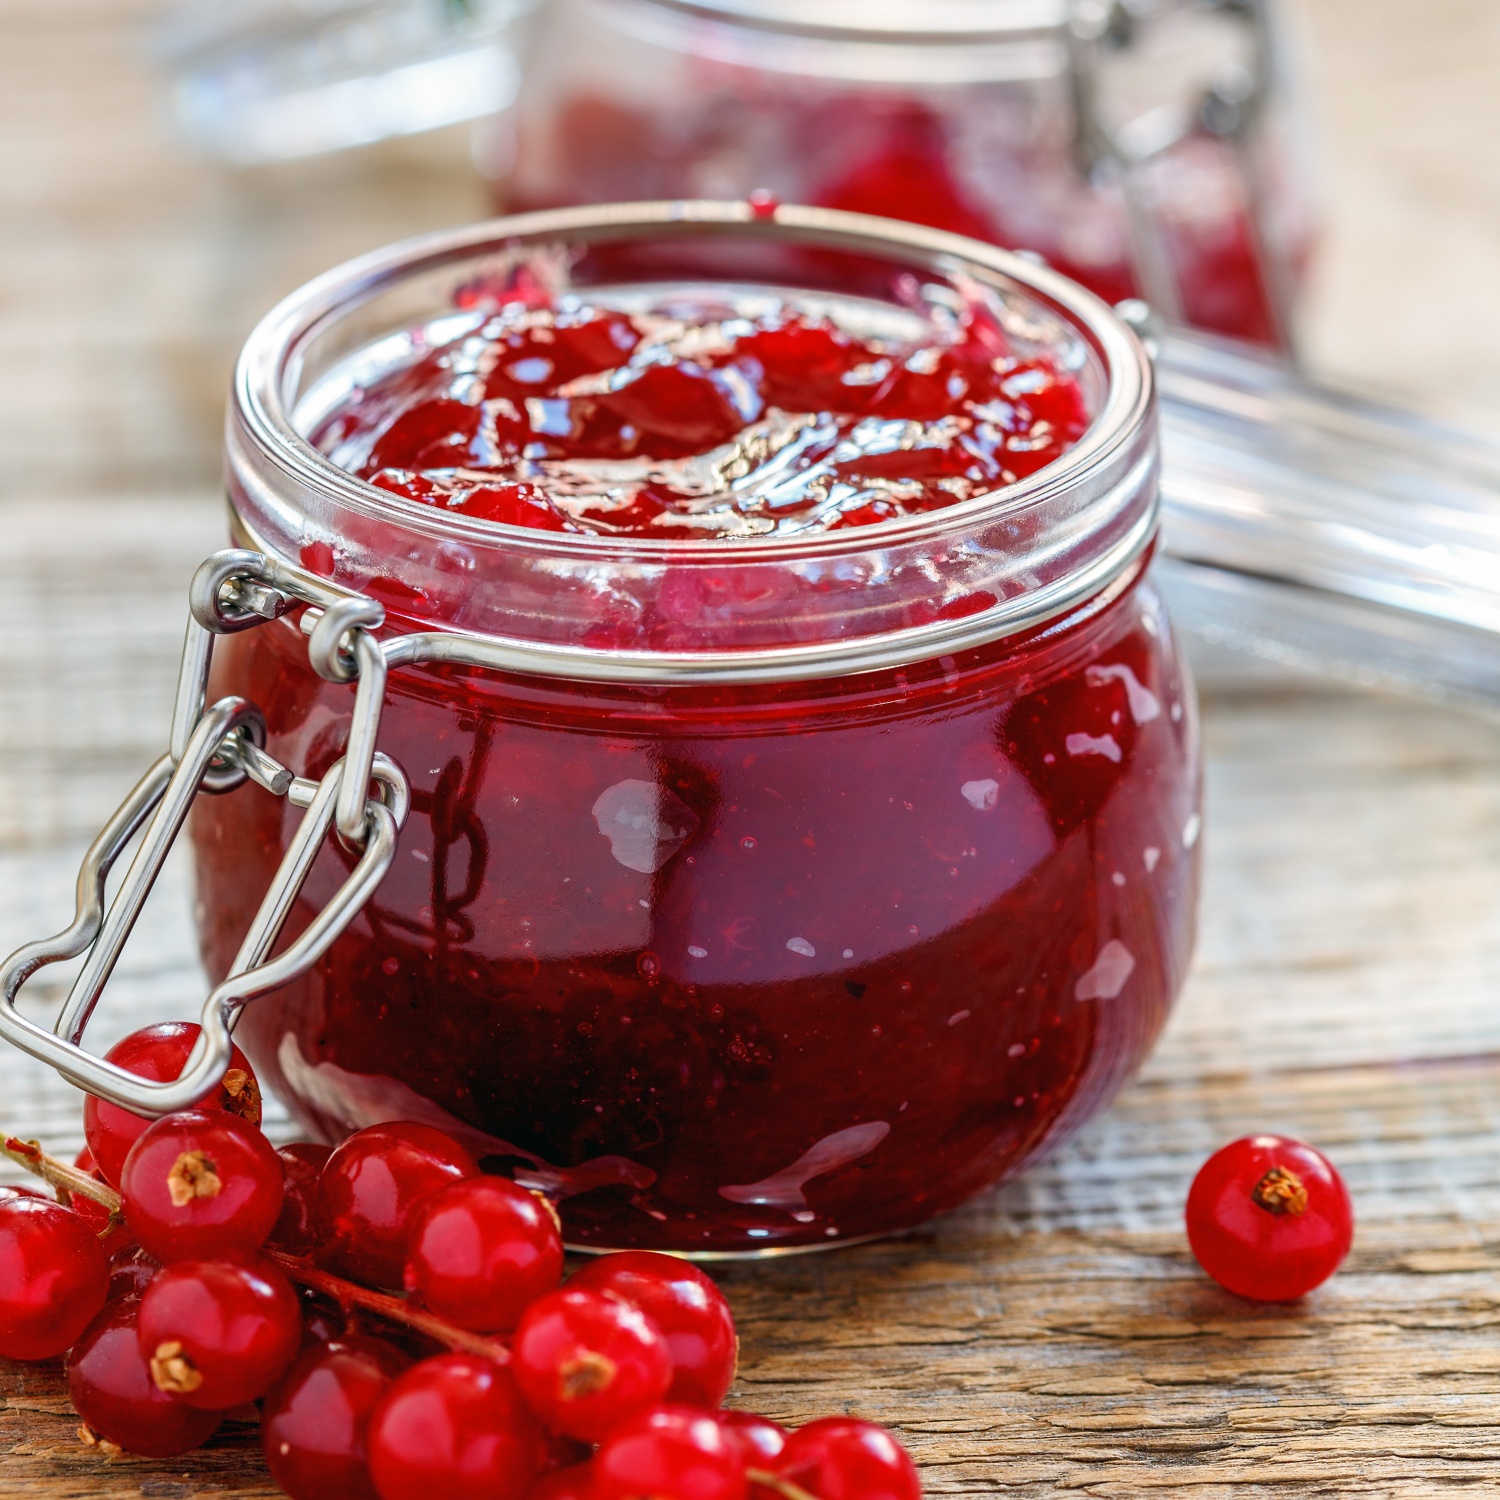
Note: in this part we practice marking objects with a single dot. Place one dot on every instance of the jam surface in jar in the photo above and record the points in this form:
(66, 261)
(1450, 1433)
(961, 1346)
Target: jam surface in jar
(727, 967)
(679, 418)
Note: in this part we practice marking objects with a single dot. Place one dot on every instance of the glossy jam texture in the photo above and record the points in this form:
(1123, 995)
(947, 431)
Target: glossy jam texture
(691, 420)
(732, 968)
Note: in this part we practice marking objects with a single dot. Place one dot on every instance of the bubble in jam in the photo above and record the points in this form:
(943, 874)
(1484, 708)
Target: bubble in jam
(677, 415)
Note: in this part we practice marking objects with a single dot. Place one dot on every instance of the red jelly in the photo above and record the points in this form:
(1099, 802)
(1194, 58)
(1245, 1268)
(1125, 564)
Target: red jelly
(818, 852)
(688, 421)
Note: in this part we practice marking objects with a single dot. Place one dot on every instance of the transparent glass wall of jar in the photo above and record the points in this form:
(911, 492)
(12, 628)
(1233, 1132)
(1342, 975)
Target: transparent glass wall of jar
(1155, 148)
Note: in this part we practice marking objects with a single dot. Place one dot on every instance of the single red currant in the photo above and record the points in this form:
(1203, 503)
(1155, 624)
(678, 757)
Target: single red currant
(759, 1438)
(686, 1306)
(53, 1277)
(587, 1361)
(296, 1230)
(313, 1425)
(454, 1428)
(479, 1251)
(110, 1386)
(371, 1185)
(109, 1227)
(670, 1453)
(1269, 1218)
(841, 1458)
(218, 1333)
(160, 1053)
(201, 1184)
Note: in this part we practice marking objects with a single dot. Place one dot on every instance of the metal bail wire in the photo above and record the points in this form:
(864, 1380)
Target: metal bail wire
(214, 749)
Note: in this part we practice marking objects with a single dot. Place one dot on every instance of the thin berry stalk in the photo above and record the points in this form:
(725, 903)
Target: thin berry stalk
(59, 1174)
(783, 1487)
(349, 1294)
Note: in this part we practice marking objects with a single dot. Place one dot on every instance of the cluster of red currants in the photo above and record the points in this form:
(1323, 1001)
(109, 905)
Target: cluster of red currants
(232, 1272)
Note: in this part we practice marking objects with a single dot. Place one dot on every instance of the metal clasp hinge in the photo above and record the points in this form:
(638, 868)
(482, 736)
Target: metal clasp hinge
(214, 749)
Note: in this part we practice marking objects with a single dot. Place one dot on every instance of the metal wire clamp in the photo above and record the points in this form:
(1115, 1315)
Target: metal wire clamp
(215, 748)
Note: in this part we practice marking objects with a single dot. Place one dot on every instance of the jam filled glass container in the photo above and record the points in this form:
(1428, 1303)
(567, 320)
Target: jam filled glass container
(1157, 148)
(772, 887)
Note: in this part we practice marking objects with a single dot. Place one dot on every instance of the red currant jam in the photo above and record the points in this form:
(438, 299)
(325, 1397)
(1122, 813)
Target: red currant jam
(686, 420)
(725, 966)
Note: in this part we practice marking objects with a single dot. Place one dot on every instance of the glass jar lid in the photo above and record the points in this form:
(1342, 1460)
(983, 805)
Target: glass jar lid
(906, 20)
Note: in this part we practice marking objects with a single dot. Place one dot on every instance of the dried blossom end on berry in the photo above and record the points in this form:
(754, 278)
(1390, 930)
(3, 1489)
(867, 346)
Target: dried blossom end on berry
(1281, 1191)
(91, 1439)
(173, 1371)
(192, 1176)
(239, 1094)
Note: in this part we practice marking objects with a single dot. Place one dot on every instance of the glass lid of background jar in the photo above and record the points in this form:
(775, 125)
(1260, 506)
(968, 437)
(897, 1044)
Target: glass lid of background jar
(269, 80)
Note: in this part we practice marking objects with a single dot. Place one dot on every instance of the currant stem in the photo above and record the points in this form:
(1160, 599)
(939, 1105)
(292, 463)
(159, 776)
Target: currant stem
(783, 1487)
(31, 1156)
(59, 1174)
(347, 1294)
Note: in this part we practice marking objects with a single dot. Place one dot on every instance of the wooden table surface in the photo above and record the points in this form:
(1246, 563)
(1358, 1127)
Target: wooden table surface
(1053, 1337)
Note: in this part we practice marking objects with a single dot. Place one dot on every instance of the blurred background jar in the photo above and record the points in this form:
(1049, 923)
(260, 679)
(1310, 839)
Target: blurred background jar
(1154, 148)
(272, 80)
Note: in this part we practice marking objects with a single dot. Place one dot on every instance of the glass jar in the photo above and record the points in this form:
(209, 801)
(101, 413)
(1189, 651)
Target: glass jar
(852, 873)
(1152, 149)
(272, 80)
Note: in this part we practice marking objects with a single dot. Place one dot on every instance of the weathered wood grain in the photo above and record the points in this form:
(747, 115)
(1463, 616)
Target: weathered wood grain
(1055, 1336)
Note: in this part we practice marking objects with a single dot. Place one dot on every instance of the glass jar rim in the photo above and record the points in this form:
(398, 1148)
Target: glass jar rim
(1113, 463)
(943, 22)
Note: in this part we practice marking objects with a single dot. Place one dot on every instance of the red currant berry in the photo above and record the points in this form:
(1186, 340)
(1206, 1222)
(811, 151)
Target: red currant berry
(479, 1251)
(302, 1166)
(759, 1438)
(109, 1227)
(454, 1428)
(315, 1417)
(201, 1184)
(689, 1310)
(587, 1361)
(53, 1277)
(670, 1453)
(576, 1482)
(110, 1386)
(1269, 1218)
(218, 1333)
(369, 1188)
(160, 1053)
(841, 1458)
